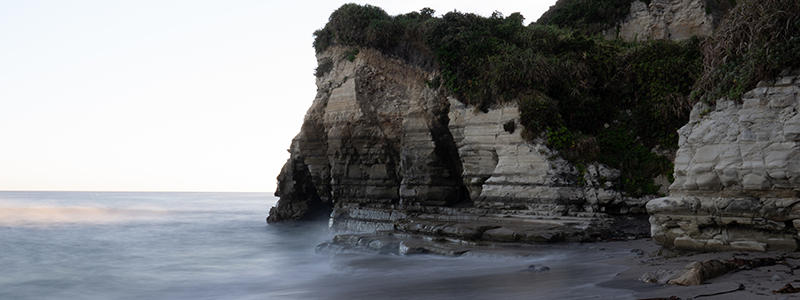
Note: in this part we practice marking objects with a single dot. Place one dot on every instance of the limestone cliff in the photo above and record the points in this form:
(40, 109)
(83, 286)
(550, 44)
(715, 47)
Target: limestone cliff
(669, 19)
(368, 139)
(737, 174)
(385, 151)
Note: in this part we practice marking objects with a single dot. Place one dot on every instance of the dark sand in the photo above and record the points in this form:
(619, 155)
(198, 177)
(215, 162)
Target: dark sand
(758, 282)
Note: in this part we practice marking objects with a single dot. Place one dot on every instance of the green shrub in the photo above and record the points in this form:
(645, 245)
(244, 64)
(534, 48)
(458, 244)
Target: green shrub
(537, 113)
(590, 16)
(661, 76)
(370, 26)
(351, 24)
(351, 55)
(755, 42)
(324, 66)
(638, 165)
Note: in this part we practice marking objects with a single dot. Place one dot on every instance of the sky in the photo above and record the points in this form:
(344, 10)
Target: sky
(154, 95)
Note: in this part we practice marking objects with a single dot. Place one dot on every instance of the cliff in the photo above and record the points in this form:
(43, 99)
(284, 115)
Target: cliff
(466, 129)
(640, 20)
(737, 174)
(385, 151)
(669, 19)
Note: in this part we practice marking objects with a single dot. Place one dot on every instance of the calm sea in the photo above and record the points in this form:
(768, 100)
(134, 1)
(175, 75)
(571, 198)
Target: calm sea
(115, 245)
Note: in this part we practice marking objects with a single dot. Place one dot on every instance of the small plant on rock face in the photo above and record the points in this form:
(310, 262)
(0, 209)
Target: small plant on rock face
(351, 55)
(325, 66)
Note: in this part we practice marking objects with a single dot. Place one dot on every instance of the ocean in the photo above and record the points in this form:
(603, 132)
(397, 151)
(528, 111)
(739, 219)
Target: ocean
(154, 245)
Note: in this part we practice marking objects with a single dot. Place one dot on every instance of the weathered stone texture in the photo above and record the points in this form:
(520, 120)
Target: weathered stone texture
(503, 171)
(384, 151)
(737, 174)
(374, 135)
(668, 19)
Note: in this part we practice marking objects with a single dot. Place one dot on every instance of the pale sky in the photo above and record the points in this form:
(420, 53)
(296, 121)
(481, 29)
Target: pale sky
(147, 95)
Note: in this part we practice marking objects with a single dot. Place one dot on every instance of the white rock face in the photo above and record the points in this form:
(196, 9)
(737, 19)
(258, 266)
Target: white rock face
(493, 157)
(665, 19)
(502, 170)
(737, 174)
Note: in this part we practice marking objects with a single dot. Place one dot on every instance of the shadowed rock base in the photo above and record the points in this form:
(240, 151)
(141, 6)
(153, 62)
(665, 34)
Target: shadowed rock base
(432, 229)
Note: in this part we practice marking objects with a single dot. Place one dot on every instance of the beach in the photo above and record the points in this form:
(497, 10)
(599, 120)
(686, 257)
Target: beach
(759, 283)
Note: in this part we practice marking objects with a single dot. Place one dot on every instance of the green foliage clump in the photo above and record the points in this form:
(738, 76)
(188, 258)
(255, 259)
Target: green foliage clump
(619, 149)
(755, 42)
(351, 55)
(324, 66)
(591, 16)
(575, 147)
(661, 75)
(370, 26)
(462, 43)
(572, 88)
(537, 113)
(351, 24)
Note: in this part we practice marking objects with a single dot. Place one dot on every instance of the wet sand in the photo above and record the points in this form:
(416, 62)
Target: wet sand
(615, 268)
(759, 283)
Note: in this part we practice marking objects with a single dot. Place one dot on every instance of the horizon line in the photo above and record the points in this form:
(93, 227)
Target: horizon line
(124, 191)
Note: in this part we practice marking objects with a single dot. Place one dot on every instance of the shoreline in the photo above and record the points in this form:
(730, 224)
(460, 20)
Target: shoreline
(759, 283)
(636, 256)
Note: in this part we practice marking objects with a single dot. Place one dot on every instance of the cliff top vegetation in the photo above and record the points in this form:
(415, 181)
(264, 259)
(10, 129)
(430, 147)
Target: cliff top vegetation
(755, 41)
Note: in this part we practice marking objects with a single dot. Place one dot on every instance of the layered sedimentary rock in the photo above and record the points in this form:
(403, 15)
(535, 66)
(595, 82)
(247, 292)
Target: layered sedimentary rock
(501, 170)
(368, 137)
(669, 19)
(383, 150)
(737, 174)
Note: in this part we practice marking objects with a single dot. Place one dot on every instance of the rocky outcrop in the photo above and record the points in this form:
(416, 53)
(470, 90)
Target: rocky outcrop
(737, 174)
(503, 171)
(669, 19)
(374, 135)
(301, 200)
(694, 273)
(384, 151)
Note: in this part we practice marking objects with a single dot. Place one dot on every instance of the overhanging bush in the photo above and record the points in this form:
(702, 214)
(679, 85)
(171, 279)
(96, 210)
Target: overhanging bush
(755, 42)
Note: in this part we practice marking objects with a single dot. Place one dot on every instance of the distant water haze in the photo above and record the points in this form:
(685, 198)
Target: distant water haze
(17, 214)
(163, 95)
